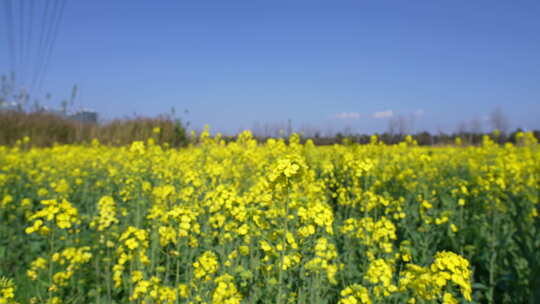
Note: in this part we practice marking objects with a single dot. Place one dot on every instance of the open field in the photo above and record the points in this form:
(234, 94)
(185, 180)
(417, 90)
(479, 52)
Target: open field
(270, 223)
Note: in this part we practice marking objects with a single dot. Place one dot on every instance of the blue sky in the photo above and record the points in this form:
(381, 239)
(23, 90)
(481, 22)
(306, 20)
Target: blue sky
(324, 64)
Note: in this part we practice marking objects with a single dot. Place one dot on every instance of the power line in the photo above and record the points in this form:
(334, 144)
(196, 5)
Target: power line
(30, 49)
(39, 52)
(21, 40)
(29, 44)
(52, 42)
(48, 15)
(42, 52)
(10, 34)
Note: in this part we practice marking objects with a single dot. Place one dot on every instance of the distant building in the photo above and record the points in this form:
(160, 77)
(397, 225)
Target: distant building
(85, 116)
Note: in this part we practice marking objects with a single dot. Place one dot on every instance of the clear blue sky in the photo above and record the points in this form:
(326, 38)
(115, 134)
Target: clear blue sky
(329, 64)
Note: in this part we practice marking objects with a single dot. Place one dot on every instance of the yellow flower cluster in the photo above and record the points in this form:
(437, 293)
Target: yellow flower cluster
(107, 213)
(131, 249)
(381, 273)
(7, 291)
(381, 233)
(324, 260)
(428, 283)
(225, 291)
(35, 267)
(74, 258)
(282, 221)
(152, 290)
(63, 214)
(205, 266)
(355, 294)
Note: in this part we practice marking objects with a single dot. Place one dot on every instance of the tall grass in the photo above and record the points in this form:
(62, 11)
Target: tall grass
(45, 129)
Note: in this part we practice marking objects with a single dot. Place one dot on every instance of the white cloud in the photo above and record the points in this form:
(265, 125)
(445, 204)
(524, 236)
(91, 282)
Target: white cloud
(383, 114)
(348, 115)
(419, 112)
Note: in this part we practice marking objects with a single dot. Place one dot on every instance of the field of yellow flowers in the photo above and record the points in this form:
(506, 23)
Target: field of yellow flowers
(279, 222)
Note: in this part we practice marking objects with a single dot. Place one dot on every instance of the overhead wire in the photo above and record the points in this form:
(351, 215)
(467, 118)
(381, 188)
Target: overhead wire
(29, 44)
(10, 37)
(21, 41)
(42, 51)
(39, 48)
(31, 28)
(52, 42)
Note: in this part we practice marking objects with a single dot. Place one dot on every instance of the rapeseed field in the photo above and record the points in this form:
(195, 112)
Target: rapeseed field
(279, 222)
